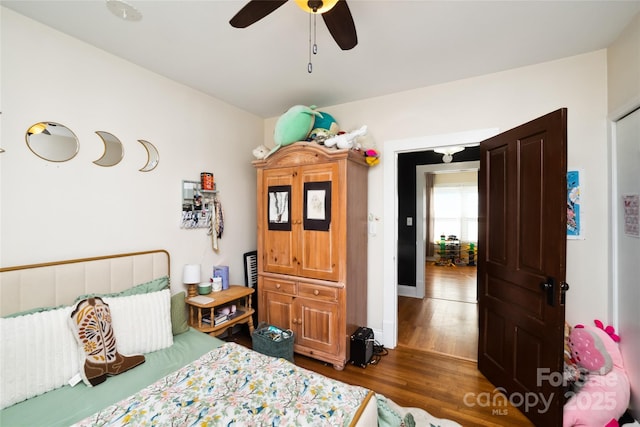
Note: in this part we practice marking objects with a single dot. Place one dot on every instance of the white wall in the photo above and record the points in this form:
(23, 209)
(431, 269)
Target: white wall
(502, 100)
(53, 211)
(623, 66)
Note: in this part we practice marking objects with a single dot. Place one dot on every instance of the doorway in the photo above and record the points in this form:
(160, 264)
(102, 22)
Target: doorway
(439, 314)
(522, 256)
(390, 270)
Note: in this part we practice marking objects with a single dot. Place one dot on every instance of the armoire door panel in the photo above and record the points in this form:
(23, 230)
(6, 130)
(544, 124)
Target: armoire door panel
(278, 310)
(280, 245)
(319, 256)
(316, 325)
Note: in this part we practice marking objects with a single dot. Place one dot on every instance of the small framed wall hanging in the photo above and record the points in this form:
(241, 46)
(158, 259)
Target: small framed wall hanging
(317, 205)
(574, 212)
(279, 207)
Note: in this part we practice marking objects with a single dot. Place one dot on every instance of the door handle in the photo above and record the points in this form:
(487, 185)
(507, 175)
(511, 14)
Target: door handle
(549, 287)
(564, 287)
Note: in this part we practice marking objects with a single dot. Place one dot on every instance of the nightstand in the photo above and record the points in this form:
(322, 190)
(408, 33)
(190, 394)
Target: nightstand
(236, 294)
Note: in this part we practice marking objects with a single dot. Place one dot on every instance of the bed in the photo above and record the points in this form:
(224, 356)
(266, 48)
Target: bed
(172, 375)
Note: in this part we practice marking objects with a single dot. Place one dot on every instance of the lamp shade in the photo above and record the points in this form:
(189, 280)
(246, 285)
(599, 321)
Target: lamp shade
(191, 274)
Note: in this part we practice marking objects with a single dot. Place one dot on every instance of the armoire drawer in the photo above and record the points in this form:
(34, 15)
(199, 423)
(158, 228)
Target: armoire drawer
(282, 286)
(309, 290)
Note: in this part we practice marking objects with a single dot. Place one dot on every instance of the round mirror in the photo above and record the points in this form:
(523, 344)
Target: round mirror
(113, 150)
(52, 141)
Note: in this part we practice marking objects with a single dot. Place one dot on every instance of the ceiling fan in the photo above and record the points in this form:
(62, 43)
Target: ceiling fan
(336, 15)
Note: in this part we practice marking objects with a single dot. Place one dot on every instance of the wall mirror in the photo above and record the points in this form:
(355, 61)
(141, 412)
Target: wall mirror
(152, 156)
(52, 141)
(190, 193)
(113, 149)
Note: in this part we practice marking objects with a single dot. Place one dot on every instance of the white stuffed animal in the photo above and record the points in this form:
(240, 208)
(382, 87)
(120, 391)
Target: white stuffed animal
(346, 140)
(260, 152)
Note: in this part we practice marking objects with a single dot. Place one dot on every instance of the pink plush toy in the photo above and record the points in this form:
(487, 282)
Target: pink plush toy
(604, 395)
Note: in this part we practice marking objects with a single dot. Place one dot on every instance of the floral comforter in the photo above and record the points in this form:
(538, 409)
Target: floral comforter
(234, 386)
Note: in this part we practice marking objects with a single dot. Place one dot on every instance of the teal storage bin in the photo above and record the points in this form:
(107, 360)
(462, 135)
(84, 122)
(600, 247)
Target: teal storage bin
(273, 341)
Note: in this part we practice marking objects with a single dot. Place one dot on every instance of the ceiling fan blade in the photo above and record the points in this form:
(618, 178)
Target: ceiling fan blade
(340, 24)
(254, 11)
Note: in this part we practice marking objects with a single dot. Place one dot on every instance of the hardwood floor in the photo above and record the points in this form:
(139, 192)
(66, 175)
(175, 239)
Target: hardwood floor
(421, 372)
(457, 283)
(441, 326)
(446, 320)
(443, 386)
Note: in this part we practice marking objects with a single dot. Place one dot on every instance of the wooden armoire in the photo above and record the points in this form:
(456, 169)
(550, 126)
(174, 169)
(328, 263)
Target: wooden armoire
(312, 246)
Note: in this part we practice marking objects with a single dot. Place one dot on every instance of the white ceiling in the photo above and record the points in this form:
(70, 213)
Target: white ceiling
(402, 44)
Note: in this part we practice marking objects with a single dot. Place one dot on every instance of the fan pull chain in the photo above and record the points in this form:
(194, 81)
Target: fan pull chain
(309, 64)
(313, 48)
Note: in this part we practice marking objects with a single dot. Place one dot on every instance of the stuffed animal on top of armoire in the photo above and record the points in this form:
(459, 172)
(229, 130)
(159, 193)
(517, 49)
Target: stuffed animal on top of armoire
(603, 397)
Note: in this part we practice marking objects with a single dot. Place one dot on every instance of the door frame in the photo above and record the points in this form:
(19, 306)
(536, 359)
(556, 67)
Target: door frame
(615, 299)
(390, 152)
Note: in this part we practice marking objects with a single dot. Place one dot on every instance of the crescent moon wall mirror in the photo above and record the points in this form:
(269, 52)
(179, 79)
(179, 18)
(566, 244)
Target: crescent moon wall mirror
(152, 156)
(113, 150)
(52, 141)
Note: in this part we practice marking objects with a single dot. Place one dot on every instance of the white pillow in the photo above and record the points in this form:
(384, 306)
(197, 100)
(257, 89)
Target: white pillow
(141, 323)
(38, 353)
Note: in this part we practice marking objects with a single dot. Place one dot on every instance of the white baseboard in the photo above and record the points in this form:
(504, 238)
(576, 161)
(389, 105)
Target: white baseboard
(408, 291)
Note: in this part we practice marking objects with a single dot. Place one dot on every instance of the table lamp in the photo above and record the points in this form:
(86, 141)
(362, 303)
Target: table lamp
(191, 277)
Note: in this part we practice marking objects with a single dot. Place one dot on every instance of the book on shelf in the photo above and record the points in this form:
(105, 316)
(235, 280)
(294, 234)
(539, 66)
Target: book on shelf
(220, 319)
(206, 319)
(236, 314)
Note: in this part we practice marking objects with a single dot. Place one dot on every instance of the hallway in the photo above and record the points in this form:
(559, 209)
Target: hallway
(446, 320)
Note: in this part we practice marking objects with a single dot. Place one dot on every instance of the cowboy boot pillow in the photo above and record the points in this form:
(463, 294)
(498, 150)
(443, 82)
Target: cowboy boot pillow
(91, 321)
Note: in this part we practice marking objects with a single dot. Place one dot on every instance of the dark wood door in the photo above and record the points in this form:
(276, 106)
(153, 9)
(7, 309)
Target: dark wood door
(521, 265)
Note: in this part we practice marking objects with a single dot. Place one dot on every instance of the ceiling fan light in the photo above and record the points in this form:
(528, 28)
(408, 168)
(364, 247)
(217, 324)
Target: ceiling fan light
(327, 5)
(448, 152)
(453, 149)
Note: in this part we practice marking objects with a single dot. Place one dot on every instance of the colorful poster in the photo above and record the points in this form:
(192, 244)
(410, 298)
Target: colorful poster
(574, 227)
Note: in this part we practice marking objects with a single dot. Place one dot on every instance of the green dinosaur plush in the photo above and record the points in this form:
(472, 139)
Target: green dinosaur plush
(294, 125)
(323, 128)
